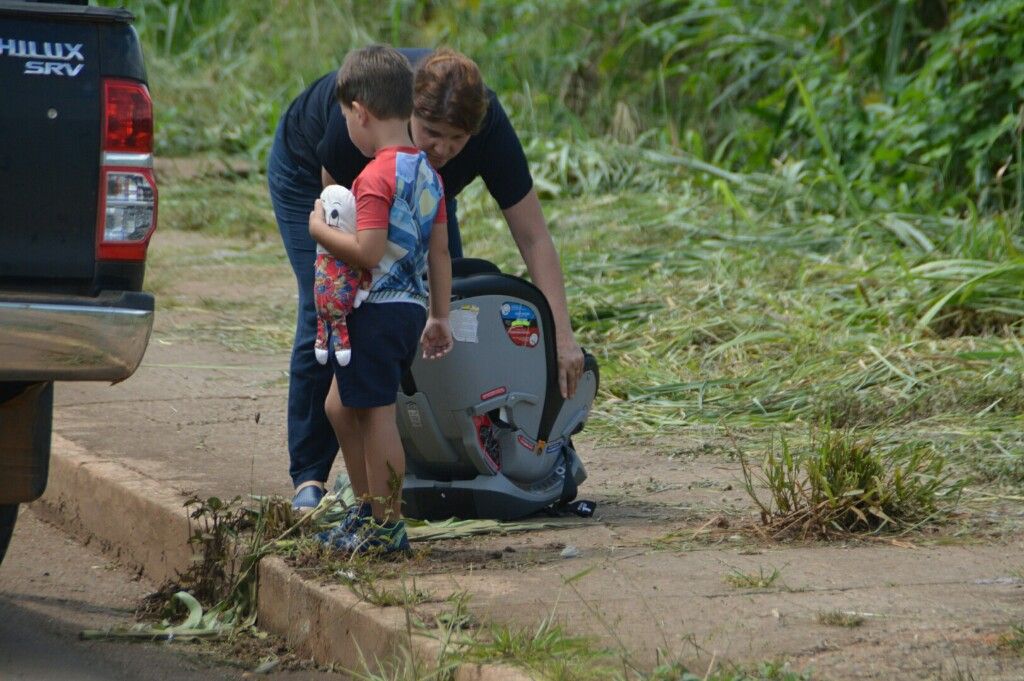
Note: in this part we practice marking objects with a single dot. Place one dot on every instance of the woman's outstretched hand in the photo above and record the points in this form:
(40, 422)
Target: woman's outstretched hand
(570, 366)
(436, 338)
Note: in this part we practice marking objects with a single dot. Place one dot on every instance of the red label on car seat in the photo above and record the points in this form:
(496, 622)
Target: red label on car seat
(493, 393)
(520, 324)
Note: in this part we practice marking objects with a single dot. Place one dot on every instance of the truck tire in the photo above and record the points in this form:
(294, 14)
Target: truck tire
(8, 514)
(26, 419)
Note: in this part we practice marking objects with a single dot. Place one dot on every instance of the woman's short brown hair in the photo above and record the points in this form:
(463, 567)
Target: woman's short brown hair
(449, 89)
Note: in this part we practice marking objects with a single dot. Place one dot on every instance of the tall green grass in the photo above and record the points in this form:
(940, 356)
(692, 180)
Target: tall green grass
(888, 104)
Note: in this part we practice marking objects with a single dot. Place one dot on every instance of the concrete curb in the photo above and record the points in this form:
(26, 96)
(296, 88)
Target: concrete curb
(330, 623)
(145, 526)
(136, 520)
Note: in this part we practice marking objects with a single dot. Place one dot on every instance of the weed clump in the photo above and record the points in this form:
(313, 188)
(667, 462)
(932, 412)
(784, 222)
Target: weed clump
(840, 618)
(759, 580)
(215, 528)
(843, 485)
(1013, 640)
(547, 650)
(765, 671)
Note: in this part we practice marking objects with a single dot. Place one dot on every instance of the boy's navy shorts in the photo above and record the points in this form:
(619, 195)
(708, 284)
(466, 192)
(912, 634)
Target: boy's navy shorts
(384, 339)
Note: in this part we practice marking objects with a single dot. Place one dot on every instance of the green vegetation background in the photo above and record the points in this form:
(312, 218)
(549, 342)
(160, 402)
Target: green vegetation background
(770, 213)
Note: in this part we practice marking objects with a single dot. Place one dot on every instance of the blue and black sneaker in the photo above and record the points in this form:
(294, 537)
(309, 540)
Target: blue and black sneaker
(370, 536)
(355, 516)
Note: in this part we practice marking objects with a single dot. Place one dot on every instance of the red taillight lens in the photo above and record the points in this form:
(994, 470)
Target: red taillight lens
(127, 117)
(127, 191)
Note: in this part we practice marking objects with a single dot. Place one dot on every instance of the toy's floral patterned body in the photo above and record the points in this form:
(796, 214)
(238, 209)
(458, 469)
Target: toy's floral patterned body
(337, 286)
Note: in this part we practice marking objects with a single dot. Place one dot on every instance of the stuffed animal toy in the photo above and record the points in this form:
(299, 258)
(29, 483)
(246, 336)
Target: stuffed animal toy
(338, 287)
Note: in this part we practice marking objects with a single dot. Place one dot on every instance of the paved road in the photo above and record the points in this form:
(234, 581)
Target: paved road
(52, 587)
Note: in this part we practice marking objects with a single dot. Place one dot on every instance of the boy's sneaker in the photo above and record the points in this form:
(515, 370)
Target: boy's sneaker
(307, 498)
(369, 536)
(355, 516)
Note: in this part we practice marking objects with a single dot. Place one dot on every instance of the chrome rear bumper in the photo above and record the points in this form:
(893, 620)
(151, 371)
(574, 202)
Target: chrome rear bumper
(74, 338)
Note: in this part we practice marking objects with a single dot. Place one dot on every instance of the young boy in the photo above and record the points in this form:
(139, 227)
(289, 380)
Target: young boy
(400, 232)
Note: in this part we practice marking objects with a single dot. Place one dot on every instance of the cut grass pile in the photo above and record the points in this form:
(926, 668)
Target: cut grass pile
(744, 313)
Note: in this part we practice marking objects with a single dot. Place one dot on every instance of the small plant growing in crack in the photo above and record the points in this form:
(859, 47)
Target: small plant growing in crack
(840, 618)
(753, 580)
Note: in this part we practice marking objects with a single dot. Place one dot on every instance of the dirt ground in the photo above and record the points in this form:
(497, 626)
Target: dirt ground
(667, 567)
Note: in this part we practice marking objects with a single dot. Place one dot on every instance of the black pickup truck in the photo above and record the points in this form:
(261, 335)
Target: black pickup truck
(78, 205)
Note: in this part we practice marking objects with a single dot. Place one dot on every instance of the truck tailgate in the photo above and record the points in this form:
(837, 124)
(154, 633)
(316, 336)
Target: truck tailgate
(49, 147)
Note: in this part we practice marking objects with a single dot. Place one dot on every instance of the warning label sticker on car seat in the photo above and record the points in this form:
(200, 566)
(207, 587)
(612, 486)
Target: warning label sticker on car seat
(464, 321)
(520, 324)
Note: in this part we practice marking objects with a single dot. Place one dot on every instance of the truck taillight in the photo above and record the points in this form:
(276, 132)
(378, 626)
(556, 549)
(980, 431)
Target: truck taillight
(128, 196)
(127, 117)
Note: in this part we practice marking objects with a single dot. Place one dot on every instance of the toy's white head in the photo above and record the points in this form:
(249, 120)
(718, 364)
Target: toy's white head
(339, 208)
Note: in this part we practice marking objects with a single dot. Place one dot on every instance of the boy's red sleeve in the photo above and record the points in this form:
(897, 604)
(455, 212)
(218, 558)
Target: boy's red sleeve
(442, 210)
(374, 194)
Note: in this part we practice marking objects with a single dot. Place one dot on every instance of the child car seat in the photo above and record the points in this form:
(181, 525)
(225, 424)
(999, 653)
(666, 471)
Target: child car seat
(486, 431)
